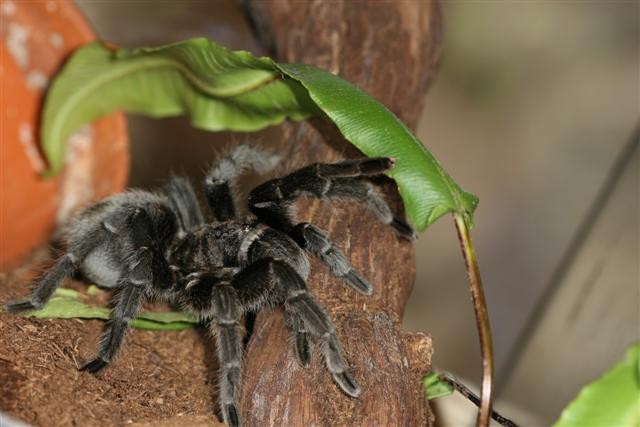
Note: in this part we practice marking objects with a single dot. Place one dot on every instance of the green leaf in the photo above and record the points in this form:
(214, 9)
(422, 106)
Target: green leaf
(427, 190)
(66, 304)
(167, 317)
(62, 306)
(217, 88)
(224, 90)
(435, 386)
(611, 400)
(142, 323)
(70, 293)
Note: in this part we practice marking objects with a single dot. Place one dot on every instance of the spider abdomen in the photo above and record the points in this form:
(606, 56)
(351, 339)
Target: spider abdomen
(101, 267)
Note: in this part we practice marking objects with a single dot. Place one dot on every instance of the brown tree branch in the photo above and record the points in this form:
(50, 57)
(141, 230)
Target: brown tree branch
(390, 49)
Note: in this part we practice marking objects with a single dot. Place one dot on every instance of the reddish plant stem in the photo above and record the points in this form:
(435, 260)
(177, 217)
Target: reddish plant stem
(482, 319)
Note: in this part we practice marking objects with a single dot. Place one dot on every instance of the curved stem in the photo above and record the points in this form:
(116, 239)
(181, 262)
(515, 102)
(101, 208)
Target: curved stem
(482, 318)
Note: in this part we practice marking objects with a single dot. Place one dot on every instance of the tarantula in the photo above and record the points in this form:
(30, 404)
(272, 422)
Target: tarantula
(158, 245)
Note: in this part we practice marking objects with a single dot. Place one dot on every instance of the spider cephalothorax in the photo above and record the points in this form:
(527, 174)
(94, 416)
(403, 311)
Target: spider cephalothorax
(149, 245)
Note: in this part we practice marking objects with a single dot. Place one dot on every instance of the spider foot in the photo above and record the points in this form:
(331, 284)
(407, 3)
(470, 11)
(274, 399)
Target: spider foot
(19, 306)
(230, 415)
(358, 282)
(94, 366)
(303, 349)
(314, 240)
(403, 229)
(347, 383)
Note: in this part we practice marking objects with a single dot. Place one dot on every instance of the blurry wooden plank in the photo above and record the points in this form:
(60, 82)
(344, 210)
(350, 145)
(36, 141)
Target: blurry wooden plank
(593, 315)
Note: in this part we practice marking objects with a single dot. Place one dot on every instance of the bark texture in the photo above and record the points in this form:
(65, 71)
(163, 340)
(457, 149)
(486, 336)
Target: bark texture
(389, 49)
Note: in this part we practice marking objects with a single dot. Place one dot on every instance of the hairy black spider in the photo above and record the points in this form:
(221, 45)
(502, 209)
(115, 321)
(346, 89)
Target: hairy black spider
(157, 245)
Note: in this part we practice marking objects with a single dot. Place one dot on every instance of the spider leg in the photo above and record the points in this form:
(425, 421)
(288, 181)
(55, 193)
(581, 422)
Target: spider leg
(256, 286)
(66, 266)
(283, 284)
(303, 344)
(314, 240)
(271, 201)
(300, 304)
(46, 286)
(212, 297)
(221, 179)
(226, 329)
(133, 284)
(353, 188)
(183, 200)
(135, 281)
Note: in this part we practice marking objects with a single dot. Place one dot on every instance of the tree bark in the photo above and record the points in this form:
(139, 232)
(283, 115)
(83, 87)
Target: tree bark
(389, 49)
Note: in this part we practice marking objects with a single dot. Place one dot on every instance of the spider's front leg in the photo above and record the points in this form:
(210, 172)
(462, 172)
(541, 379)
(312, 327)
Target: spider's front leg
(300, 304)
(303, 341)
(222, 178)
(132, 287)
(136, 280)
(225, 326)
(314, 240)
(212, 297)
(280, 283)
(257, 285)
(272, 201)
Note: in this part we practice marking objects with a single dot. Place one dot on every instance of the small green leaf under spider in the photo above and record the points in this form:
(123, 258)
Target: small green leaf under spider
(66, 304)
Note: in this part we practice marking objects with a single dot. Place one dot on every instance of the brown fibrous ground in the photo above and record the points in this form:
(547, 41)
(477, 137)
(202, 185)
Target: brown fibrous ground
(160, 377)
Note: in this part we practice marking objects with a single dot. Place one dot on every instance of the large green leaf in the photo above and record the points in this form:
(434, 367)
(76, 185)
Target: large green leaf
(224, 90)
(611, 400)
(67, 304)
(217, 88)
(426, 189)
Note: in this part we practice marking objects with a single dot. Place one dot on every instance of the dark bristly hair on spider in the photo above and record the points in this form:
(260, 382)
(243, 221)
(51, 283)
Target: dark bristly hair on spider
(157, 245)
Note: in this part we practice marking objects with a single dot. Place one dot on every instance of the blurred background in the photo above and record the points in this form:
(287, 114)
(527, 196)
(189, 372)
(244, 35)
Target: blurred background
(534, 111)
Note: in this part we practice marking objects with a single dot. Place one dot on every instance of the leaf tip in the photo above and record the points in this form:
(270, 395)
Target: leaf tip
(434, 386)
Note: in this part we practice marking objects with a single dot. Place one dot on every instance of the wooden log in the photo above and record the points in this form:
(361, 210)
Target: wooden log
(389, 49)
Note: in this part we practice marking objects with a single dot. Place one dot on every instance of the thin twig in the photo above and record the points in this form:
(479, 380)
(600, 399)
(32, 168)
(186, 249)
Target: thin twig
(482, 319)
(470, 395)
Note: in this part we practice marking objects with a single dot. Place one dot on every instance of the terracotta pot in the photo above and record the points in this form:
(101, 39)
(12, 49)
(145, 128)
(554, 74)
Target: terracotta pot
(37, 36)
